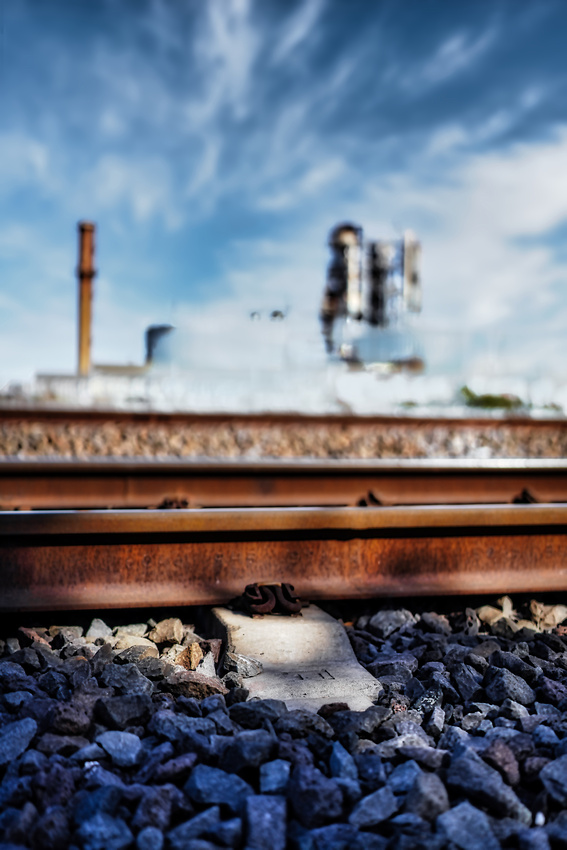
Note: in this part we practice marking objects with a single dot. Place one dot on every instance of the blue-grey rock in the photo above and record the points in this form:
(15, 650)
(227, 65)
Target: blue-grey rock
(202, 824)
(504, 684)
(470, 776)
(126, 710)
(403, 777)
(154, 809)
(427, 797)
(315, 799)
(374, 809)
(266, 822)
(467, 681)
(15, 738)
(124, 748)
(300, 723)
(543, 736)
(126, 678)
(149, 838)
(351, 789)
(342, 763)
(104, 800)
(211, 786)
(251, 715)
(228, 833)
(371, 771)
(250, 748)
(274, 776)
(336, 836)
(533, 839)
(103, 832)
(384, 623)
(554, 778)
(52, 830)
(175, 727)
(467, 828)
(14, 700)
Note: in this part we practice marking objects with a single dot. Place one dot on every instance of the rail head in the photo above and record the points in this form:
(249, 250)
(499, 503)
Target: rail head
(281, 520)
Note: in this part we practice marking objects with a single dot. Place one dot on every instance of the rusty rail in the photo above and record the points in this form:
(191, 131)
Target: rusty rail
(57, 560)
(134, 483)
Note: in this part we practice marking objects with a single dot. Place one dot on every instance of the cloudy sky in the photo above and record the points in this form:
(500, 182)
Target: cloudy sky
(215, 142)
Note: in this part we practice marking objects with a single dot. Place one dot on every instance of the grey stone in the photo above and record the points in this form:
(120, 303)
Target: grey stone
(274, 776)
(250, 748)
(122, 711)
(468, 828)
(266, 822)
(242, 665)
(51, 831)
(315, 799)
(15, 738)
(543, 736)
(403, 777)
(342, 763)
(124, 749)
(470, 776)
(131, 630)
(336, 836)
(211, 786)
(359, 722)
(300, 722)
(201, 824)
(126, 678)
(467, 681)
(436, 722)
(533, 839)
(384, 623)
(177, 769)
(429, 756)
(506, 685)
(514, 710)
(374, 809)
(229, 832)
(154, 809)
(103, 832)
(515, 665)
(149, 838)
(253, 714)
(213, 704)
(98, 630)
(371, 771)
(554, 778)
(428, 797)
(175, 727)
(104, 800)
(92, 752)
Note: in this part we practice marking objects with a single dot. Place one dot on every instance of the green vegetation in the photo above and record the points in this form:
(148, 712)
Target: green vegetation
(488, 401)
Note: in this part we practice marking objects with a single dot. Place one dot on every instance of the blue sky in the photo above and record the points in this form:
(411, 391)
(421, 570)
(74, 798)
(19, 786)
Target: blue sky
(215, 143)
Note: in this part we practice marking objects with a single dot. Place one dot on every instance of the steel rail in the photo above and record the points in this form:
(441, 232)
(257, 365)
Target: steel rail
(92, 559)
(58, 413)
(48, 483)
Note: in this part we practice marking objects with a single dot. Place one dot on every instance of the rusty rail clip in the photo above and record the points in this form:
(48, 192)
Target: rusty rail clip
(286, 600)
(258, 599)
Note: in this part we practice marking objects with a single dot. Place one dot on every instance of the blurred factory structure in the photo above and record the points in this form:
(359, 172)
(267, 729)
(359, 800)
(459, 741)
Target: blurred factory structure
(281, 364)
(369, 290)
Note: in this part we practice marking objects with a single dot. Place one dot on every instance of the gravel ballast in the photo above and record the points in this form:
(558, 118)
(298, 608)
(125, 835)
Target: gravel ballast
(126, 738)
(247, 438)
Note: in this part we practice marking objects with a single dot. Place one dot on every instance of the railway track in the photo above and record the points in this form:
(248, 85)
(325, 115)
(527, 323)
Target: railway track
(46, 484)
(66, 559)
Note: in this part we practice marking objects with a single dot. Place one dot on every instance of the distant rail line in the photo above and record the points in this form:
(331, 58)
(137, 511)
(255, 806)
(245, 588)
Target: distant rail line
(47, 484)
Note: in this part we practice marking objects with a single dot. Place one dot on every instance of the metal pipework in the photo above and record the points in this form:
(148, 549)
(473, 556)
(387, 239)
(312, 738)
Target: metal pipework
(85, 274)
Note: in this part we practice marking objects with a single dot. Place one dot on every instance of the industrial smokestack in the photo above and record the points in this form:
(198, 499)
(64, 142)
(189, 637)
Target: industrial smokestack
(85, 274)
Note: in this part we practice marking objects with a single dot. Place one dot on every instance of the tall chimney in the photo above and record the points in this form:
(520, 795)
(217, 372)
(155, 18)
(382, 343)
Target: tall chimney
(85, 274)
